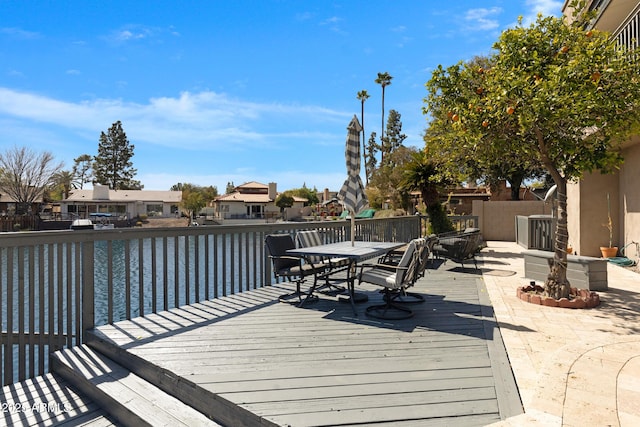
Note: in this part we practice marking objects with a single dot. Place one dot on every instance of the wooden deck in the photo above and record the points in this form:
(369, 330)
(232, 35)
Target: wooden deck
(250, 360)
(48, 400)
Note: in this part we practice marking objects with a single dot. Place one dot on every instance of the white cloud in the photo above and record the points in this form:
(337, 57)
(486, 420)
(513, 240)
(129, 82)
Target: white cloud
(333, 24)
(482, 18)
(126, 35)
(203, 121)
(19, 33)
(545, 7)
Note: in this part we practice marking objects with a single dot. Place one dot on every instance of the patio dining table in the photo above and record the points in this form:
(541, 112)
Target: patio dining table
(353, 251)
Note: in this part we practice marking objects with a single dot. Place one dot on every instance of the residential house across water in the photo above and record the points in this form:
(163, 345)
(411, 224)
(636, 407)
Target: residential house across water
(252, 200)
(122, 203)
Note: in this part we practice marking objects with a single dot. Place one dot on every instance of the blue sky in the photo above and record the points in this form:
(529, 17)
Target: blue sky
(215, 91)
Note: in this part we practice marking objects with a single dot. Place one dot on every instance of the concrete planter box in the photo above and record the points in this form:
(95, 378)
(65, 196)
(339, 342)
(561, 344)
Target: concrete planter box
(583, 272)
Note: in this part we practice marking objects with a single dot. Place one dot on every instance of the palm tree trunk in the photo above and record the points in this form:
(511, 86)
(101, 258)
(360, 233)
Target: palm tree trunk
(364, 145)
(382, 130)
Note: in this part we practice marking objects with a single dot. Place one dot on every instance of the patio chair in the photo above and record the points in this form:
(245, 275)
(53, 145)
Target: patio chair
(459, 246)
(395, 280)
(309, 238)
(290, 267)
(423, 251)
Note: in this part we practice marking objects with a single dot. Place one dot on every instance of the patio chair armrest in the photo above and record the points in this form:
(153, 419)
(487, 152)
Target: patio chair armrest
(285, 257)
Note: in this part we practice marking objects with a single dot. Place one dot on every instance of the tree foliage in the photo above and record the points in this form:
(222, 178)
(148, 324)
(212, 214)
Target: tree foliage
(310, 194)
(476, 158)
(208, 193)
(422, 173)
(394, 138)
(112, 166)
(371, 162)
(82, 169)
(194, 197)
(395, 155)
(563, 96)
(388, 177)
(62, 183)
(284, 200)
(25, 175)
(192, 203)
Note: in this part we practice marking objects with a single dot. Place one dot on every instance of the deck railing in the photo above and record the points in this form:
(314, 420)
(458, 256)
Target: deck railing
(55, 285)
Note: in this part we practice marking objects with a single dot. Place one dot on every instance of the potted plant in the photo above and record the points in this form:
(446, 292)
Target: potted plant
(610, 251)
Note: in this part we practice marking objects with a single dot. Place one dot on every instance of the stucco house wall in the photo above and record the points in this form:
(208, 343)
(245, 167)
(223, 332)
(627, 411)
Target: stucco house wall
(587, 198)
(497, 219)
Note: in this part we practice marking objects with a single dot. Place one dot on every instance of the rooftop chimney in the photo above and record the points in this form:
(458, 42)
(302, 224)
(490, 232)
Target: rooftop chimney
(273, 192)
(100, 192)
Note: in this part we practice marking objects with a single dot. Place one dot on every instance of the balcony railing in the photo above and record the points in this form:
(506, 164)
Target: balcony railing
(628, 32)
(55, 285)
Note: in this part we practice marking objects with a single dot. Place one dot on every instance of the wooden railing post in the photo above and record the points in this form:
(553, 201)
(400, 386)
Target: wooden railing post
(88, 297)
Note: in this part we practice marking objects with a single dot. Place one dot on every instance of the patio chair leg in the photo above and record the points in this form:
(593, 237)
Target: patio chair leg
(310, 296)
(296, 297)
(404, 297)
(390, 310)
(289, 298)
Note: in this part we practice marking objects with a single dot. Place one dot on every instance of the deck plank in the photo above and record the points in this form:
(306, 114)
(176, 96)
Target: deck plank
(321, 365)
(48, 400)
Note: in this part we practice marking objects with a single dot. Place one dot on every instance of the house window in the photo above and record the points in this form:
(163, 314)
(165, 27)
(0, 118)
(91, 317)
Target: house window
(154, 210)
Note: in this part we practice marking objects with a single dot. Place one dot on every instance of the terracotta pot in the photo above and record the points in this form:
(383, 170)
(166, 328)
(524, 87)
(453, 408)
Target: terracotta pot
(609, 252)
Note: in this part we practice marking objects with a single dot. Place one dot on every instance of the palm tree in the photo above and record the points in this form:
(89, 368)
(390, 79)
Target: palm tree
(384, 80)
(64, 180)
(363, 96)
(422, 174)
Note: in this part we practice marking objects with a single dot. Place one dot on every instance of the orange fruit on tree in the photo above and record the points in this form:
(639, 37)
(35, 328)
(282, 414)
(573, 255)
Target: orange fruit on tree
(485, 123)
(510, 110)
(455, 117)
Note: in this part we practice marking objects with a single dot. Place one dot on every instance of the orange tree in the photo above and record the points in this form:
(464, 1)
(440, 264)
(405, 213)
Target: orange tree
(554, 94)
(465, 82)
